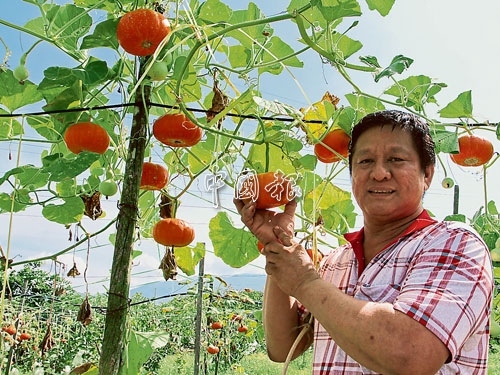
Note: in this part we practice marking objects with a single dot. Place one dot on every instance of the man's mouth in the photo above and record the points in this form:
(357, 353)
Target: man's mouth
(381, 192)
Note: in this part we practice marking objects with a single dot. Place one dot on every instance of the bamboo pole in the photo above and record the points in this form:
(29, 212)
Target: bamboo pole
(114, 341)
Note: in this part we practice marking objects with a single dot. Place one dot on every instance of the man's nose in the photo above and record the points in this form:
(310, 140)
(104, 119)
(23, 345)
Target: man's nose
(381, 171)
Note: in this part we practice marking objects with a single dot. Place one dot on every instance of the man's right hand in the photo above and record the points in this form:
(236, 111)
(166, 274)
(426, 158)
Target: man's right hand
(262, 222)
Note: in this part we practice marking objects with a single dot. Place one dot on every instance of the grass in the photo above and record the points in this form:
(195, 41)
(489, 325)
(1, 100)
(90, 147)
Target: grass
(254, 364)
(259, 364)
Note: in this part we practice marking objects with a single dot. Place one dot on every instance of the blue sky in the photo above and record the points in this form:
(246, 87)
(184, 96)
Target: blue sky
(450, 40)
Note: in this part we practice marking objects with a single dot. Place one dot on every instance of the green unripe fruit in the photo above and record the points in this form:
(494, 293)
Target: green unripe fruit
(497, 243)
(495, 255)
(494, 328)
(448, 183)
(21, 73)
(158, 71)
(108, 188)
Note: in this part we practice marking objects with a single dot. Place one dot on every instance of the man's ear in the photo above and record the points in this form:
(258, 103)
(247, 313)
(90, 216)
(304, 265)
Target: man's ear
(428, 174)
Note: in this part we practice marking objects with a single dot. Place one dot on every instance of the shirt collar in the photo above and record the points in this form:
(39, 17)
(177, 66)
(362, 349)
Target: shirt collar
(356, 238)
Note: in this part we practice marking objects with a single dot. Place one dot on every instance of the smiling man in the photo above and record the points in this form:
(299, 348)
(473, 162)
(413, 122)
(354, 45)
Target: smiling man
(405, 295)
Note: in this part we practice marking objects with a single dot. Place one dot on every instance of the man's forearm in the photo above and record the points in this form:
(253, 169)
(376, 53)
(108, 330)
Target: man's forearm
(281, 323)
(373, 334)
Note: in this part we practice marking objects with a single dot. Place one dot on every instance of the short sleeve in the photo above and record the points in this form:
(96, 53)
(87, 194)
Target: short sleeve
(448, 287)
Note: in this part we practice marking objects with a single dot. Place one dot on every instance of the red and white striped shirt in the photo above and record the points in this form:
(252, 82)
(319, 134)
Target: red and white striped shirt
(440, 274)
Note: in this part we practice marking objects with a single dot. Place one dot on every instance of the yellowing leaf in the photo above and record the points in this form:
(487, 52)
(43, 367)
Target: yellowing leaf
(318, 112)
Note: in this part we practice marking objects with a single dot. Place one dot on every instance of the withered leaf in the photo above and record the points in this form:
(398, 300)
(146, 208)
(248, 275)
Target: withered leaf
(48, 341)
(168, 265)
(166, 205)
(73, 272)
(85, 313)
(82, 369)
(92, 205)
(219, 102)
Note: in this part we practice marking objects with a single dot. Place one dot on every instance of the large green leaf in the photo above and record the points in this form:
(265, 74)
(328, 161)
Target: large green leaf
(415, 91)
(239, 56)
(214, 11)
(277, 49)
(247, 35)
(236, 247)
(312, 14)
(47, 127)
(66, 24)
(13, 94)
(104, 35)
(140, 346)
(398, 65)
(21, 201)
(71, 211)
(9, 127)
(188, 257)
(382, 6)
(335, 9)
(335, 205)
(460, 107)
(445, 141)
(276, 159)
(61, 168)
(364, 105)
(60, 88)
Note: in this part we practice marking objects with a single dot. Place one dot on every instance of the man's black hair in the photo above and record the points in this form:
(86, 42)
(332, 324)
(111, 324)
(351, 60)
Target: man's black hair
(416, 126)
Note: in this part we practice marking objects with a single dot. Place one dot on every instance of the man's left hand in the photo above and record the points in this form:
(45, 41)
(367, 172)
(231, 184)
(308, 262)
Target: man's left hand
(288, 263)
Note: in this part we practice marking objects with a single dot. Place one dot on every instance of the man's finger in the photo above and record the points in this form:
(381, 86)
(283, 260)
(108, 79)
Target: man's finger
(283, 236)
(290, 207)
(239, 204)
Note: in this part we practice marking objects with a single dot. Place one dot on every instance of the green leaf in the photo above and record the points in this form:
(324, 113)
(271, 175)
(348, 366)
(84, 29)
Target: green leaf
(92, 73)
(248, 35)
(104, 35)
(445, 141)
(492, 208)
(66, 25)
(382, 6)
(140, 346)
(239, 56)
(498, 131)
(456, 217)
(66, 188)
(364, 105)
(335, 205)
(309, 182)
(9, 127)
(60, 88)
(13, 94)
(188, 257)
(71, 211)
(398, 65)
(415, 91)
(308, 162)
(277, 159)
(61, 168)
(347, 119)
(214, 11)
(46, 127)
(460, 107)
(236, 247)
(292, 144)
(345, 46)
(335, 9)
(275, 49)
(370, 61)
(21, 201)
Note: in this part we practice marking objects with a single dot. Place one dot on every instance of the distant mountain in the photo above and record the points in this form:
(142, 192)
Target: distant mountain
(173, 287)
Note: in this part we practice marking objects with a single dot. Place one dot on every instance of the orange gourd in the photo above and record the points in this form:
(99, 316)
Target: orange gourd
(176, 130)
(474, 151)
(173, 232)
(154, 176)
(269, 190)
(140, 31)
(337, 140)
(86, 136)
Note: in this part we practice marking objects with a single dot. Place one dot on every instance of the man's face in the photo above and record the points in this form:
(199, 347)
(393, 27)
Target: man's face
(387, 178)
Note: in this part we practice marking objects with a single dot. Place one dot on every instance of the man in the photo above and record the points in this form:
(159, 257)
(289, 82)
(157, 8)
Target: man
(406, 294)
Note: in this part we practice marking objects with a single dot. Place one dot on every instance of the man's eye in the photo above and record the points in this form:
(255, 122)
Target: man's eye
(396, 159)
(365, 161)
